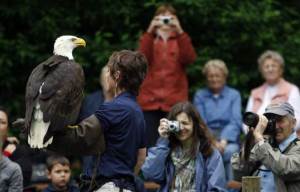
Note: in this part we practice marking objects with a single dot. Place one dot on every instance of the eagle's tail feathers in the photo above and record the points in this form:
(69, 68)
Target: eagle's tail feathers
(38, 130)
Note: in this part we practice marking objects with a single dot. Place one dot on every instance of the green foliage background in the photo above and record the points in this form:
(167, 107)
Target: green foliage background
(233, 30)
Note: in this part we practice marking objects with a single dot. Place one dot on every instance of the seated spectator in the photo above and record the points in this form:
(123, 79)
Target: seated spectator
(11, 178)
(185, 160)
(282, 158)
(220, 107)
(59, 174)
(275, 88)
(16, 152)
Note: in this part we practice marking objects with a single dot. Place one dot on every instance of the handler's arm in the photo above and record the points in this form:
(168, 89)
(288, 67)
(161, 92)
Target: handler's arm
(86, 138)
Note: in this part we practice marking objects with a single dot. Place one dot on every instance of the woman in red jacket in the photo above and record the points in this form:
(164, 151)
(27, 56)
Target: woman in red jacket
(168, 50)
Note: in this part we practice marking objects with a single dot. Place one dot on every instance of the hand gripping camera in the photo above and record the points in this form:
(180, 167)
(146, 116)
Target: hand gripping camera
(174, 126)
(251, 119)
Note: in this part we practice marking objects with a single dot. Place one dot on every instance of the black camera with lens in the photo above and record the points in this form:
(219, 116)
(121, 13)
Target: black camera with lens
(251, 119)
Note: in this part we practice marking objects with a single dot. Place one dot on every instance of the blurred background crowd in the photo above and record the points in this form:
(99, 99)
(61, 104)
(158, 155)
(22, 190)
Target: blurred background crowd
(224, 57)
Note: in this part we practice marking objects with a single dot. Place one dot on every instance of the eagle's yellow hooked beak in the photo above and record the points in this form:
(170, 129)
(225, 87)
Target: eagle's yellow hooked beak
(79, 42)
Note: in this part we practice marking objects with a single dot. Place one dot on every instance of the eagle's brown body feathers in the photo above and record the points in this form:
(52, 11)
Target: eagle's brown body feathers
(57, 86)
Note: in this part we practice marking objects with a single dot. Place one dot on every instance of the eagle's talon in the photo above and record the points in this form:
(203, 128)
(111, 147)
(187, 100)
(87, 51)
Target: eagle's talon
(73, 126)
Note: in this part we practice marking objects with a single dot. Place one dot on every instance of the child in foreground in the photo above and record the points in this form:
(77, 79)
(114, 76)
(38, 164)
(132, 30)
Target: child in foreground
(59, 174)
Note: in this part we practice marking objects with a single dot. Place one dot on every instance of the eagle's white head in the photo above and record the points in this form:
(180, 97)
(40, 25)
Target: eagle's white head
(65, 44)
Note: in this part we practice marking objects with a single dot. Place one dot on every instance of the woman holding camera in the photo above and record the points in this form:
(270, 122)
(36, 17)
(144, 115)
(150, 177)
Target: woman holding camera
(185, 160)
(168, 50)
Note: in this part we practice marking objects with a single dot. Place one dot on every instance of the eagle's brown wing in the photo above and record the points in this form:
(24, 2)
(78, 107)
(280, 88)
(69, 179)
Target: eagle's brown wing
(61, 82)
(34, 83)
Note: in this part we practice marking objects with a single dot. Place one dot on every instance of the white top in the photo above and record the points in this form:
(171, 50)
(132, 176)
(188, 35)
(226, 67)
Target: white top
(294, 100)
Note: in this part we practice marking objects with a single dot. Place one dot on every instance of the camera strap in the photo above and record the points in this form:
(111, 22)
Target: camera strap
(294, 142)
(255, 168)
(93, 183)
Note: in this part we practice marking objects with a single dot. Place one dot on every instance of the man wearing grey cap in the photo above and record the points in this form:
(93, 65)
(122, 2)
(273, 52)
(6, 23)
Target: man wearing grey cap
(281, 161)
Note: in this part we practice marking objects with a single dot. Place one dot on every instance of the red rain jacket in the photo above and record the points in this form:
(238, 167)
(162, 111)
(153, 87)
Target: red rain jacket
(166, 81)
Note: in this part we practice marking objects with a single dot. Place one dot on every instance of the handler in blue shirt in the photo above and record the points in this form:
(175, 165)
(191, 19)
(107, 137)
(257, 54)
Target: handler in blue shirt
(121, 122)
(220, 108)
(90, 105)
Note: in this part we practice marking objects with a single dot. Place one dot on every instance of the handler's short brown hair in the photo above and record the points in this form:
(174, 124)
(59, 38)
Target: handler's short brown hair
(132, 66)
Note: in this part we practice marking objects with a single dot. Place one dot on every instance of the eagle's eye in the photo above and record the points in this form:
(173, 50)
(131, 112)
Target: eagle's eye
(73, 39)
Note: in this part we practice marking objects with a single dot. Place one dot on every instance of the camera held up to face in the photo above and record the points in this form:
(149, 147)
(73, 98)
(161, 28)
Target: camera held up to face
(174, 126)
(165, 20)
(251, 119)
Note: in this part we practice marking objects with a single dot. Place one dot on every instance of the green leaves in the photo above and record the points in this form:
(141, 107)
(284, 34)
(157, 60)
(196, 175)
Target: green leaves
(235, 31)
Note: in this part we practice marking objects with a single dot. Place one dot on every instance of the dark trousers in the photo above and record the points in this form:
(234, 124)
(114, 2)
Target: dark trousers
(152, 119)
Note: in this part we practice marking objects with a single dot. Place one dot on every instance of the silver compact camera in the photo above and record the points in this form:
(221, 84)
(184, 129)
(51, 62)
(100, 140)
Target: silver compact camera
(166, 20)
(174, 126)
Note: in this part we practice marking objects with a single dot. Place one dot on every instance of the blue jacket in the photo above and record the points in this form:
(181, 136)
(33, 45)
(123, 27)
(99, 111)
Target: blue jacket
(222, 114)
(210, 175)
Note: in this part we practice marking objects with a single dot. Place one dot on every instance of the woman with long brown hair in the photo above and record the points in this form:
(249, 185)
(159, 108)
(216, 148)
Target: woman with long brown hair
(184, 158)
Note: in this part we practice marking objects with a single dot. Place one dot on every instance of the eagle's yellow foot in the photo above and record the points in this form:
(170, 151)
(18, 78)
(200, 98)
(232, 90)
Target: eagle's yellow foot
(73, 126)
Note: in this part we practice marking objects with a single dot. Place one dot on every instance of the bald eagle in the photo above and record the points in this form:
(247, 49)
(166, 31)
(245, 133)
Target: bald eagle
(54, 93)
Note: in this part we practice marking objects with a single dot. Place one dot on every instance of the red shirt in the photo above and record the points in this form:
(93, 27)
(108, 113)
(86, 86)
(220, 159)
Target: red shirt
(166, 81)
